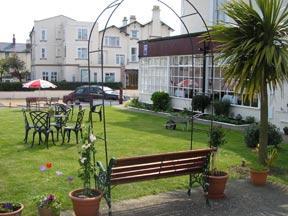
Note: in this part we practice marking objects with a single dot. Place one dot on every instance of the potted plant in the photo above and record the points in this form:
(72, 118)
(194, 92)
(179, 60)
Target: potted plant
(86, 201)
(48, 205)
(10, 209)
(258, 172)
(217, 179)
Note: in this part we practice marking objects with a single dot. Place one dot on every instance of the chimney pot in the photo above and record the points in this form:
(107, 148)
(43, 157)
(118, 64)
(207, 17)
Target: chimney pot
(124, 21)
(132, 18)
(14, 40)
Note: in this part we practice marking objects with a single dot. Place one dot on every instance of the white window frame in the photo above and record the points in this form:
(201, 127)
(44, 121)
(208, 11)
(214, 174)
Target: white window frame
(82, 34)
(95, 77)
(111, 41)
(82, 53)
(43, 54)
(54, 76)
(45, 35)
(45, 75)
(109, 76)
(134, 56)
(218, 14)
(134, 34)
(120, 59)
(84, 77)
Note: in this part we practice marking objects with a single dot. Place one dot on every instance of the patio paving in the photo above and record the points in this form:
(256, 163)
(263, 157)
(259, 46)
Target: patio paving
(243, 199)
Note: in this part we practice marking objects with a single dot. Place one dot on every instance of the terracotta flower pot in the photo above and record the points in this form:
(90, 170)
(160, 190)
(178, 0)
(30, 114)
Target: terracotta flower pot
(15, 213)
(258, 178)
(47, 212)
(85, 206)
(217, 185)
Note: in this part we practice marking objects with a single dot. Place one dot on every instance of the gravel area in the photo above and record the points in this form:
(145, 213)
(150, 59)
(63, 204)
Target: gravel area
(242, 199)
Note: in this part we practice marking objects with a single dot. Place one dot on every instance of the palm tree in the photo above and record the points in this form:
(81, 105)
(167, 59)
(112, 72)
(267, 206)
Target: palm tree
(254, 50)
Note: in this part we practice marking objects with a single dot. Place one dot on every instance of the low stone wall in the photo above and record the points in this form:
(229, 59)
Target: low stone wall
(37, 93)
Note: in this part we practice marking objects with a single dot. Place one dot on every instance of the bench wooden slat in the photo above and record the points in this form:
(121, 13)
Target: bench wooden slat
(150, 176)
(162, 157)
(158, 170)
(156, 164)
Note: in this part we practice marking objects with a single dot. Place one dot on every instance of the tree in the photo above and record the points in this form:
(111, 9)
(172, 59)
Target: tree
(3, 68)
(254, 50)
(17, 67)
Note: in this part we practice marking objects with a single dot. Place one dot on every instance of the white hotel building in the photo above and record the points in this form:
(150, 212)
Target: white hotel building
(60, 49)
(176, 72)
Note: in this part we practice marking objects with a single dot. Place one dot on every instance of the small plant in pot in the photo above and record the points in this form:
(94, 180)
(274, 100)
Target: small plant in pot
(259, 172)
(48, 205)
(217, 179)
(10, 209)
(86, 201)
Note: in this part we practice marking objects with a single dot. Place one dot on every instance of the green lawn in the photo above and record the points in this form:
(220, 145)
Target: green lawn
(129, 134)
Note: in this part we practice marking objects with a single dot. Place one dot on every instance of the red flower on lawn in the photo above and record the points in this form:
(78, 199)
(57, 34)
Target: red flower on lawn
(48, 165)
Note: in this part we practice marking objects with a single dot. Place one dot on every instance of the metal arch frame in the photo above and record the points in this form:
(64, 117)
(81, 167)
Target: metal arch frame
(114, 6)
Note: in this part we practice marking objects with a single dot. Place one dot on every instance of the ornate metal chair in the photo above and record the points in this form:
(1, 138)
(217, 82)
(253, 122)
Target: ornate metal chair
(76, 127)
(61, 120)
(95, 109)
(28, 126)
(41, 123)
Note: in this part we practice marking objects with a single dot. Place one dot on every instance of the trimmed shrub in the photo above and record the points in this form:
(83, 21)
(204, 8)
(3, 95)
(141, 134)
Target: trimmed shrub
(251, 136)
(200, 102)
(250, 119)
(17, 86)
(217, 137)
(222, 107)
(134, 102)
(161, 101)
(239, 117)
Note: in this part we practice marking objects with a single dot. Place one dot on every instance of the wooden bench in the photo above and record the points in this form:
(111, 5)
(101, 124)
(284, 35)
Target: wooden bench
(127, 170)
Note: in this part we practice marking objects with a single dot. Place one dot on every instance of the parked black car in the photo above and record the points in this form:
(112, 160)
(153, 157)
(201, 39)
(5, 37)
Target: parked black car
(81, 94)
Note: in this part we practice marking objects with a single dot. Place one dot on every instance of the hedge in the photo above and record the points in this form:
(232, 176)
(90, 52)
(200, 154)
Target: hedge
(17, 86)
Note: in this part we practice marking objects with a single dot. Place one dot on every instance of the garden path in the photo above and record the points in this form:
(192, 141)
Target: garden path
(243, 199)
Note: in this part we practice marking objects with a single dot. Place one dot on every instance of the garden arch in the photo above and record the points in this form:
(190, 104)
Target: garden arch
(113, 6)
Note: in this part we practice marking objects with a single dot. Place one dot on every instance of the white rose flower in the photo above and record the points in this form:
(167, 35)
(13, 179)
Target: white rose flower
(83, 160)
(92, 138)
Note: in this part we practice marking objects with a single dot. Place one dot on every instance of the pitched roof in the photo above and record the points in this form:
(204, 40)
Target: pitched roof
(56, 17)
(162, 23)
(113, 26)
(9, 47)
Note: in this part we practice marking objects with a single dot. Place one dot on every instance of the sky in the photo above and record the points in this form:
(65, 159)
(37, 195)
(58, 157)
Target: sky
(17, 16)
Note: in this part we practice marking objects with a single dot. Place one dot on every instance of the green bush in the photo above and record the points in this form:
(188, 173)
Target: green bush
(250, 119)
(222, 107)
(200, 102)
(17, 86)
(161, 101)
(137, 104)
(251, 136)
(217, 137)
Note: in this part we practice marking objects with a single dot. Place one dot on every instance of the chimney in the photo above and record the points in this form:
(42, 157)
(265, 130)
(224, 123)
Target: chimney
(132, 18)
(156, 22)
(14, 40)
(124, 21)
(156, 13)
